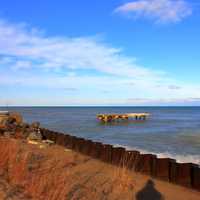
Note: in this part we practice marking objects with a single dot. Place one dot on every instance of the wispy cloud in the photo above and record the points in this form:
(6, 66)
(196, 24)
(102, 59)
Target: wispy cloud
(70, 89)
(174, 87)
(163, 101)
(160, 11)
(22, 47)
(83, 66)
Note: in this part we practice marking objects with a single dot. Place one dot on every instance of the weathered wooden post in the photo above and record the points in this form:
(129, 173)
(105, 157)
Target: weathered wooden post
(181, 173)
(196, 177)
(162, 168)
(146, 163)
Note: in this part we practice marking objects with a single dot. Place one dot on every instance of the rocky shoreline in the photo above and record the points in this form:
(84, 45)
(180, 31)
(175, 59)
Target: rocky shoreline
(184, 174)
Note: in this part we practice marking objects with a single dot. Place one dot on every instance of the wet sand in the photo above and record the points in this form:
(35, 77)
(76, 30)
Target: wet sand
(30, 171)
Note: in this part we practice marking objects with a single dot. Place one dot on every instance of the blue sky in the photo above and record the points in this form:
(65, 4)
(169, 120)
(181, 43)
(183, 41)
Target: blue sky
(142, 52)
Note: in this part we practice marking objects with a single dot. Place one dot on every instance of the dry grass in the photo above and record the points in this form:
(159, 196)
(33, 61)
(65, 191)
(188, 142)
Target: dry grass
(123, 177)
(40, 173)
(29, 172)
(56, 174)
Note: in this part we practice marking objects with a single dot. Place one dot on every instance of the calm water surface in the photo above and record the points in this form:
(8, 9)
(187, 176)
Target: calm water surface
(170, 131)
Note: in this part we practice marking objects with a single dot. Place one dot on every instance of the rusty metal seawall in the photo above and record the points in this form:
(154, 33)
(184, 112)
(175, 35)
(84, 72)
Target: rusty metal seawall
(184, 174)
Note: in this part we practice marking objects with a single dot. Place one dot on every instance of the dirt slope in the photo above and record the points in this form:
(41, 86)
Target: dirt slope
(53, 173)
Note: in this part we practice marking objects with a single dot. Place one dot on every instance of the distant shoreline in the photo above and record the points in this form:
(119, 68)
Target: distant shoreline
(101, 106)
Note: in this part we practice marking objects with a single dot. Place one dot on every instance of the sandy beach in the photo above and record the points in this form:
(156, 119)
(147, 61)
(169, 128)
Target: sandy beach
(37, 171)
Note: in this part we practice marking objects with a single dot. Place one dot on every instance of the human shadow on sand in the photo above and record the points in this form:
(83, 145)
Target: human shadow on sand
(149, 192)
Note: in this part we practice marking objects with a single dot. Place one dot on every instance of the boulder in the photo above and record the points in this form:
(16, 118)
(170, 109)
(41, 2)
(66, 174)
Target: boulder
(10, 120)
(19, 134)
(3, 118)
(8, 134)
(33, 135)
(48, 142)
(35, 125)
(16, 117)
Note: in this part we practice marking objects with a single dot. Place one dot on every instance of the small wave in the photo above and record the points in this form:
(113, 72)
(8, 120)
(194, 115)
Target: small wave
(181, 158)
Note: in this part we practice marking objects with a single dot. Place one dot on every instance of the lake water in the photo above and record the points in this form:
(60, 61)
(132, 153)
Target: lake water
(169, 132)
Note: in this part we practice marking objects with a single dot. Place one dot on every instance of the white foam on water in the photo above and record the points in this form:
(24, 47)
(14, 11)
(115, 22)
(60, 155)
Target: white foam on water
(185, 158)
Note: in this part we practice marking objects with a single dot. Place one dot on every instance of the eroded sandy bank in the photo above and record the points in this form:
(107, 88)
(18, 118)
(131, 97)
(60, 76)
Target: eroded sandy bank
(54, 173)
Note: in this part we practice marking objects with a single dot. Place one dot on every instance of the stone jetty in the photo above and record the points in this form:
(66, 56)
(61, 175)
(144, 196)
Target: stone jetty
(120, 117)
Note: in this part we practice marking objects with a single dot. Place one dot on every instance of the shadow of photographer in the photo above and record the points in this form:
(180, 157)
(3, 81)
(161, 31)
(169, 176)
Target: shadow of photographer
(149, 192)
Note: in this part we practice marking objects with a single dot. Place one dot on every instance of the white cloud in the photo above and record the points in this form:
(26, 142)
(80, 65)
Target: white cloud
(29, 59)
(161, 11)
(26, 48)
(163, 101)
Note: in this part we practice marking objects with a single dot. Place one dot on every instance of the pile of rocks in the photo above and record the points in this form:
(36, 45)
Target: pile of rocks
(12, 125)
